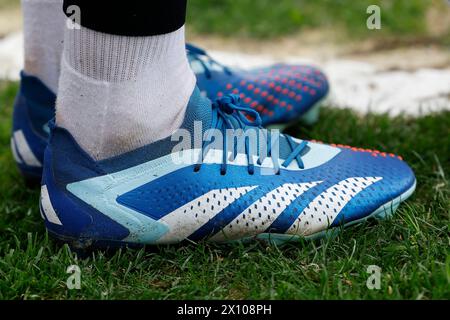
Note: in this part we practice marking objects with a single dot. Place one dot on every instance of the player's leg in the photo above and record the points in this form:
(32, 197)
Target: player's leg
(111, 173)
(43, 40)
(115, 46)
(125, 79)
(34, 105)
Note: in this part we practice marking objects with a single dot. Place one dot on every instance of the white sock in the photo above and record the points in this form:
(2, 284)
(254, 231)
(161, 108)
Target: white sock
(44, 22)
(120, 93)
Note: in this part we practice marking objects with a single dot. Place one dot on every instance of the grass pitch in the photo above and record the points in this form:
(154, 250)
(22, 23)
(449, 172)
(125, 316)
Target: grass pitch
(412, 248)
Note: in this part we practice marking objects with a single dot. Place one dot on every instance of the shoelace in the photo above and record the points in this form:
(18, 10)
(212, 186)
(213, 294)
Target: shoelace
(196, 53)
(227, 113)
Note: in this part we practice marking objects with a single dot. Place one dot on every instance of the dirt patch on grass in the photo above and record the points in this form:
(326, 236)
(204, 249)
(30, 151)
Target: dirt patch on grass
(327, 45)
(10, 21)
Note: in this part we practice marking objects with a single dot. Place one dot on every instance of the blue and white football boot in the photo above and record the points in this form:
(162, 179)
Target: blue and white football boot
(170, 191)
(280, 93)
(33, 108)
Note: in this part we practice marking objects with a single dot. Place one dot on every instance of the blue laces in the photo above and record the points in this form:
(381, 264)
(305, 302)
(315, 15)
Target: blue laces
(227, 113)
(196, 53)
